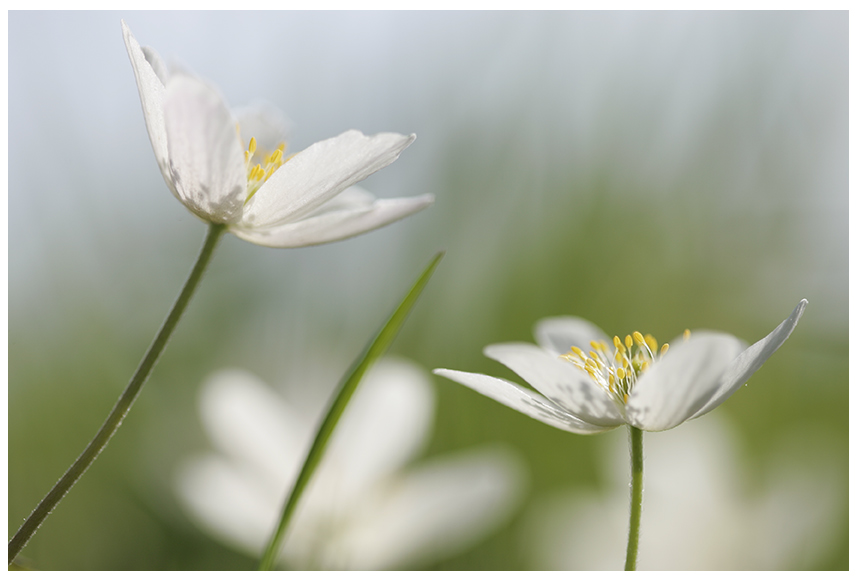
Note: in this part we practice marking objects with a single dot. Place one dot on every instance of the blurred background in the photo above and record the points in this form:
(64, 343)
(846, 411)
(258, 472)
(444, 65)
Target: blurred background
(649, 171)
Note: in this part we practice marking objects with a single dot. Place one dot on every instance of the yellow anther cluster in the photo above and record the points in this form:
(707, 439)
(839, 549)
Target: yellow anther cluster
(616, 370)
(261, 171)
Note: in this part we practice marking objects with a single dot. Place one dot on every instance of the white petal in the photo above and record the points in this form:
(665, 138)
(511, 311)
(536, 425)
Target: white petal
(387, 422)
(206, 158)
(680, 383)
(435, 510)
(558, 334)
(320, 172)
(150, 84)
(250, 422)
(752, 359)
(264, 122)
(560, 381)
(353, 198)
(230, 502)
(337, 222)
(523, 400)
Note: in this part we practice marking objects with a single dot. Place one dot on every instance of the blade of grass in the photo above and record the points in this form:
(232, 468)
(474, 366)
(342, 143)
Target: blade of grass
(370, 355)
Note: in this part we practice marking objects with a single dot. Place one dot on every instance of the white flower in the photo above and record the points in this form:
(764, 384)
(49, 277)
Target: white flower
(261, 195)
(701, 509)
(362, 509)
(588, 383)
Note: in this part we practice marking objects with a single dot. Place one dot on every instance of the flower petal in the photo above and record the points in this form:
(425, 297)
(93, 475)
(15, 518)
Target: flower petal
(558, 334)
(251, 423)
(750, 360)
(559, 381)
(336, 220)
(435, 510)
(523, 400)
(680, 383)
(264, 122)
(150, 74)
(386, 424)
(320, 172)
(206, 158)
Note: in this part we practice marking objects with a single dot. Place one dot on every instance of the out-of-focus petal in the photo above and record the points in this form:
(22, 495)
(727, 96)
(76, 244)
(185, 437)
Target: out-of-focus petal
(233, 504)
(750, 360)
(206, 158)
(523, 400)
(559, 381)
(387, 422)
(683, 381)
(335, 223)
(559, 334)
(434, 510)
(249, 422)
(320, 172)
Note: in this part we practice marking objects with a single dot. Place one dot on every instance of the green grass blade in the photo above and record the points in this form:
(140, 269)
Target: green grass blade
(370, 355)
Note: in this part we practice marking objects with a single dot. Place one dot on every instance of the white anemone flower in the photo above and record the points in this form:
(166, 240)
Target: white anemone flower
(261, 194)
(587, 383)
(363, 509)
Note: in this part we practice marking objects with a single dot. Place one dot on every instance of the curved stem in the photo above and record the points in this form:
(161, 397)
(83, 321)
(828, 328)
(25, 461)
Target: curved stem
(636, 486)
(123, 405)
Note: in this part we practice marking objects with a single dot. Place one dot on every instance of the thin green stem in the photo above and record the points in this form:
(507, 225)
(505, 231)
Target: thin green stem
(123, 405)
(636, 486)
(373, 351)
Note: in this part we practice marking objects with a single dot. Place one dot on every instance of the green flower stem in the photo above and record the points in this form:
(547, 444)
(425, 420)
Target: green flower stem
(123, 405)
(338, 405)
(636, 486)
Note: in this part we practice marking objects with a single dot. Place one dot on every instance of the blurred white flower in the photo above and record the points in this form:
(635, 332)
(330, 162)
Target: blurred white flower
(601, 384)
(363, 509)
(262, 196)
(700, 511)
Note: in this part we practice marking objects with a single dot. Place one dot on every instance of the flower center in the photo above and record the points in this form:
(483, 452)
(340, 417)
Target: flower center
(267, 164)
(617, 370)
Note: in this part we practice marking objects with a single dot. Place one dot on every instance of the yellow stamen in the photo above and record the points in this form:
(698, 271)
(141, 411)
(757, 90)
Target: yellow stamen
(651, 343)
(259, 173)
(618, 372)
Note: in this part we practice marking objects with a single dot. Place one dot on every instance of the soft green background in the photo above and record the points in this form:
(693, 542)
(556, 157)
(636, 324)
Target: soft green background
(647, 171)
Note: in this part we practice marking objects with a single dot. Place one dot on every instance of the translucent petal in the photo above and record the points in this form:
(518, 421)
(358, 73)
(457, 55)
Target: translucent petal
(320, 172)
(150, 85)
(206, 158)
(336, 220)
(560, 381)
(264, 122)
(685, 379)
(752, 359)
(558, 334)
(523, 400)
